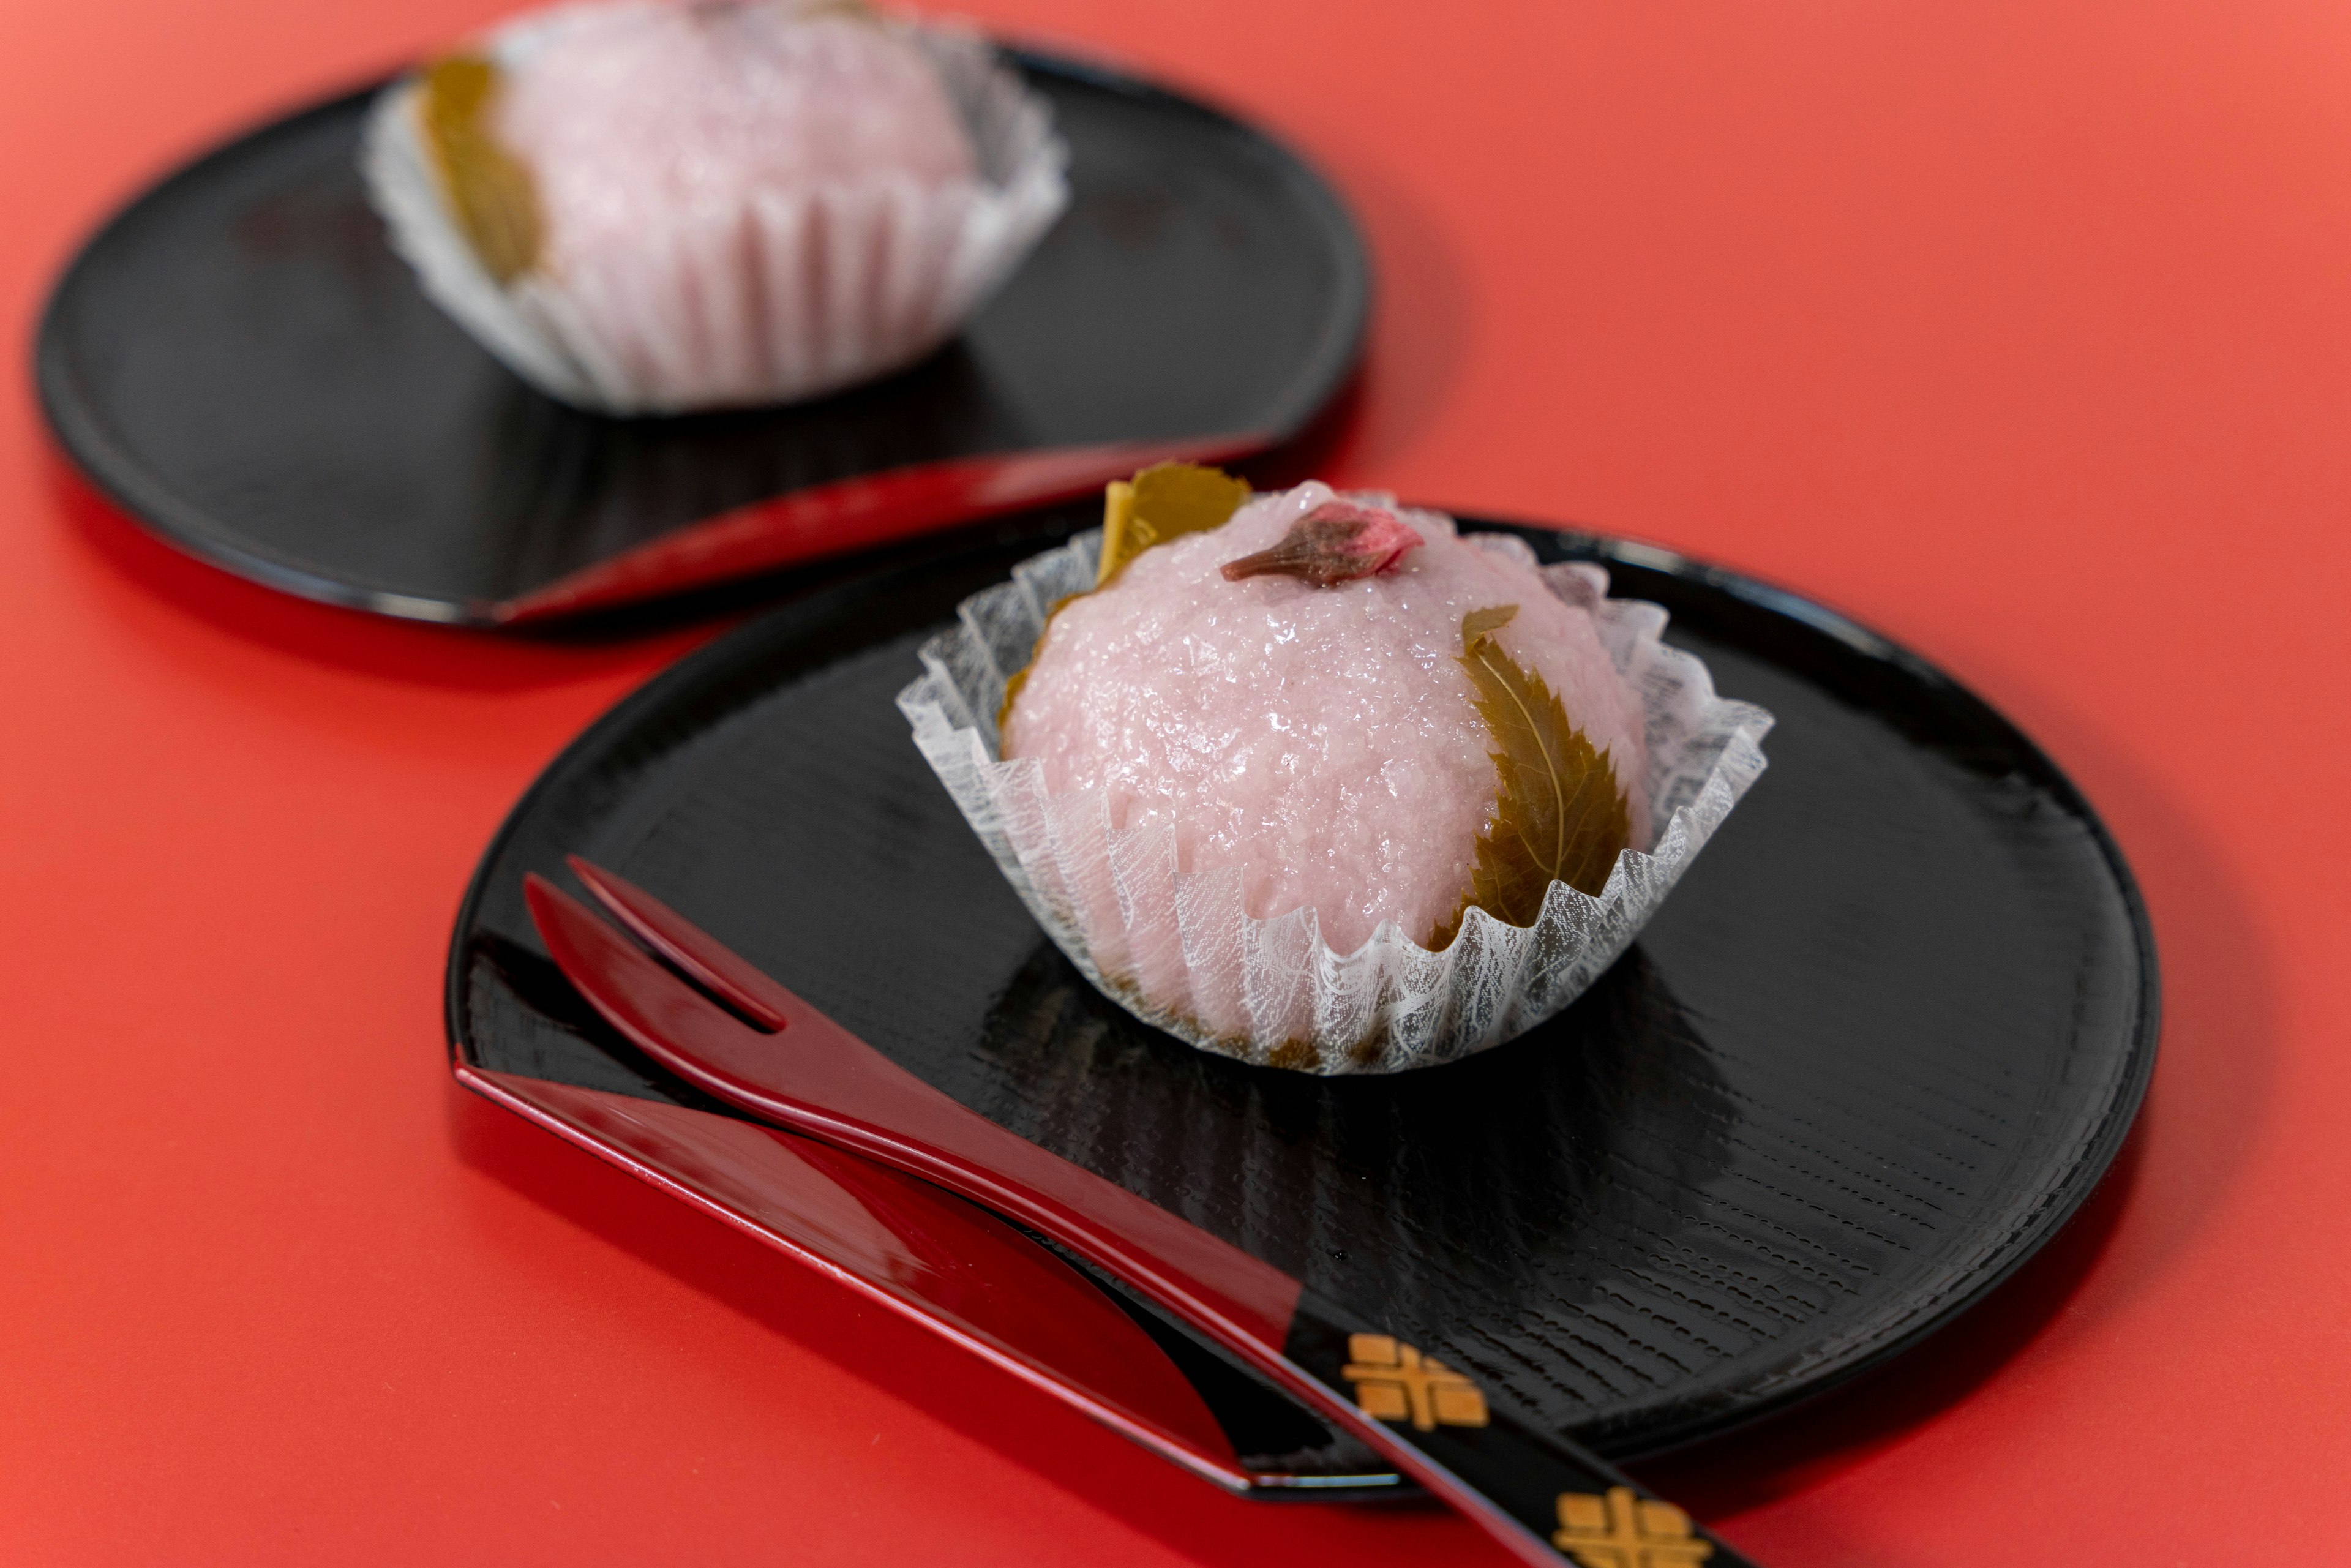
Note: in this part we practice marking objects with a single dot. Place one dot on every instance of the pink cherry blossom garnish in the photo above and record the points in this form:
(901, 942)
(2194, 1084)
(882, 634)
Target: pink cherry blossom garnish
(1336, 542)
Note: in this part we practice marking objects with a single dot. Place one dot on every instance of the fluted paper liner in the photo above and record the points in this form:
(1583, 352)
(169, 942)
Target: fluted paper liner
(1177, 950)
(802, 294)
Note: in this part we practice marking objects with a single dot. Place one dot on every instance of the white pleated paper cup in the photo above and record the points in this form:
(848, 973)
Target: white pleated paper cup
(798, 295)
(1177, 949)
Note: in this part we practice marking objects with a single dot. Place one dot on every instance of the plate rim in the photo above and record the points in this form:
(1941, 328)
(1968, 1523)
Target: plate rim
(82, 436)
(2068, 1193)
(2090, 1170)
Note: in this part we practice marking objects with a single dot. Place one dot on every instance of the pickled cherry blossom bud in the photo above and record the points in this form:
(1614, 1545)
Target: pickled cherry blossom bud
(1336, 542)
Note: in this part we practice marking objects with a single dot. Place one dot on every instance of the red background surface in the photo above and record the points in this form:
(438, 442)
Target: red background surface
(2025, 337)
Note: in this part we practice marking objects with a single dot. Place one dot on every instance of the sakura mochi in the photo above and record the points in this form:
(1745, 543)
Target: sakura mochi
(1321, 735)
(1323, 782)
(648, 206)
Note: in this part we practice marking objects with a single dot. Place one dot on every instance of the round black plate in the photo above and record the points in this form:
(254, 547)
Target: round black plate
(240, 360)
(1879, 1046)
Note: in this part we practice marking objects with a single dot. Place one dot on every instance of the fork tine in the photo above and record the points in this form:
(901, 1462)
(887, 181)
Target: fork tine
(687, 946)
(818, 1078)
(638, 997)
(1122, 1377)
(772, 1075)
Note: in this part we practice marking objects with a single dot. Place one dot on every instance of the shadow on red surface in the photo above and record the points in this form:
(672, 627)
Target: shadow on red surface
(449, 657)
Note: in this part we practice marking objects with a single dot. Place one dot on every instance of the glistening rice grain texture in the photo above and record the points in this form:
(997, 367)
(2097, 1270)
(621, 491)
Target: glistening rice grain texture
(634, 113)
(1325, 740)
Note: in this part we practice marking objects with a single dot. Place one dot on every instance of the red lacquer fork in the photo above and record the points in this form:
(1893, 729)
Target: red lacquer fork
(776, 1057)
(947, 1265)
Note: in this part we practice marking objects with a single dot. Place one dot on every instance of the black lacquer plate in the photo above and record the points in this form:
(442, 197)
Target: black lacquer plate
(1880, 1043)
(243, 363)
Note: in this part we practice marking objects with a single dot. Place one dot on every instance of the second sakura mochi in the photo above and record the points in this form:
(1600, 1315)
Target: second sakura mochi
(654, 207)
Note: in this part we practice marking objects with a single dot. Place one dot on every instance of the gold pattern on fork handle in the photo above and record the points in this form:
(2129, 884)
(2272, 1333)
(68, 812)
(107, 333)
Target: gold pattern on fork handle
(1395, 1382)
(1620, 1530)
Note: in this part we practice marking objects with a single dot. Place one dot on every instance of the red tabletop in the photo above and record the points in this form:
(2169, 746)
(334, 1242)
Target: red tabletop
(2022, 332)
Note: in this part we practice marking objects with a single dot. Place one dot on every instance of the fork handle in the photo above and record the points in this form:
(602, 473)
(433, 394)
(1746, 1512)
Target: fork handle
(1546, 1499)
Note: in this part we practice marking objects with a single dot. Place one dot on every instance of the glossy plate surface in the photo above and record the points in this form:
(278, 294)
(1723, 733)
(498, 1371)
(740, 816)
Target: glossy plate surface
(1880, 1043)
(243, 363)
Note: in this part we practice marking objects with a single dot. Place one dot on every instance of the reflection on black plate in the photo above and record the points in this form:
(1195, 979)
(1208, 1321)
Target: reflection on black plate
(243, 363)
(1877, 1047)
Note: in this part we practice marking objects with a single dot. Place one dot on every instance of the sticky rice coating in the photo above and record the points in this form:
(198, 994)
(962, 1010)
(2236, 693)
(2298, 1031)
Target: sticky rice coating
(634, 117)
(1322, 739)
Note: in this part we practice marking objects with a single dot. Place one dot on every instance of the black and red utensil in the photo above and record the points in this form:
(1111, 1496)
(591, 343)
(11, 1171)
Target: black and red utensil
(767, 1052)
(943, 1262)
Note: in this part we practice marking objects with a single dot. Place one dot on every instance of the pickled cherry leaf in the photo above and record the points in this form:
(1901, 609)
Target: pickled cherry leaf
(1559, 815)
(488, 190)
(1161, 503)
(1020, 677)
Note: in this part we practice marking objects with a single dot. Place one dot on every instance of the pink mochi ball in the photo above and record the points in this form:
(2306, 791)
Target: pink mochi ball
(631, 117)
(1323, 739)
